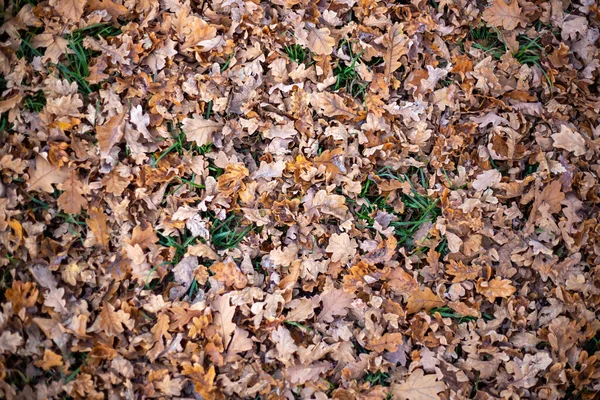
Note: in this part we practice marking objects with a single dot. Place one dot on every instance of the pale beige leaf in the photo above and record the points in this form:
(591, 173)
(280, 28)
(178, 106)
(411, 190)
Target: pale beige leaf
(335, 304)
(569, 140)
(419, 386)
(110, 133)
(72, 200)
(503, 15)
(396, 45)
(489, 178)
(319, 40)
(223, 317)
(69, 9)
(44, 174)
(200, 130)
(342, 247)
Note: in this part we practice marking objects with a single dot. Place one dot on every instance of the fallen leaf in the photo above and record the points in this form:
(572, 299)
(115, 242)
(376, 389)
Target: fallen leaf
(497, 287)
(335, 304)
(72, 200)
(569, 140)
(419, 386)
(422, 299)
(503, 15)
(200, 130)
(43, 175)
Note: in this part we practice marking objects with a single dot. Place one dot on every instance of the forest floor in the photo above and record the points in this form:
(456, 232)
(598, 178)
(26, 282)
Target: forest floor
(350, 199)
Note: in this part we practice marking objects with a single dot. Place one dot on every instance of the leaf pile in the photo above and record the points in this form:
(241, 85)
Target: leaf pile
(346, 199)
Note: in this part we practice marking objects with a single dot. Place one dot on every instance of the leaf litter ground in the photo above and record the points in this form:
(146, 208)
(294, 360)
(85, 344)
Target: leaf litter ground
(304, 200)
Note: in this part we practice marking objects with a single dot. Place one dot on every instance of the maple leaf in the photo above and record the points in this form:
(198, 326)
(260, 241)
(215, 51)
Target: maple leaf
(501, 14)
(72, 200)
(97, 224)
(422, 299)
(396, 45)
(497, 287)
(200, 130)
(111, 322)
(342, 248)
(569, 140)
(319, 41)
(110, 133)
(50, 360)
(419, 386)
(44, 174)
(335, 303)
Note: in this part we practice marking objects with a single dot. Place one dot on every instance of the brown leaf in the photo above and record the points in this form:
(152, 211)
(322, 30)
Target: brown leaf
(69, 9)
(43, 175)
(200, 130)
(422, 299)
(223, 317)
(342, 248)
(569, 140)
(335, 303)
(388, 342)
(110, 133)
(97, 224)
(229, 274)
(501, 14)
(50, 360)
(462, 272)
(497, 287)
(419, 386)
(72, 200)
(396, 45)
(111, 322)
(319, 41)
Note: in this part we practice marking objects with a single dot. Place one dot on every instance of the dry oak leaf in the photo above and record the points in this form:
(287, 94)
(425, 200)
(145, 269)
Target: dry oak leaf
(489, 178)
(203, 380)
(332, 105)
(111, 322)
(342, 248)
(110, 133)
(97, 224)
(44, 174)
(199, 129)
(72, 200)
(422, 299)
(223, 317)
(302, 373)
(335, 303)
(501, 14)
(569, 140)
(462, 272)
(388, 342)
(51, 359)
(229, 273)
(319, 40)
(497, 287)
(401, 281)
(10, 342)
(146, 238)
(113, 9)
(419, 386)
(396, 44)
(231, 181)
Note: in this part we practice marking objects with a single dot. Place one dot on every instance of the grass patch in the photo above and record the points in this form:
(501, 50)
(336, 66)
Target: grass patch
(447, 312)
(230, 232)
(530, 52)
(347, 77)
(419, 209)
(378, 378)
(299, 54)
(35, 102)
(179, 244)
